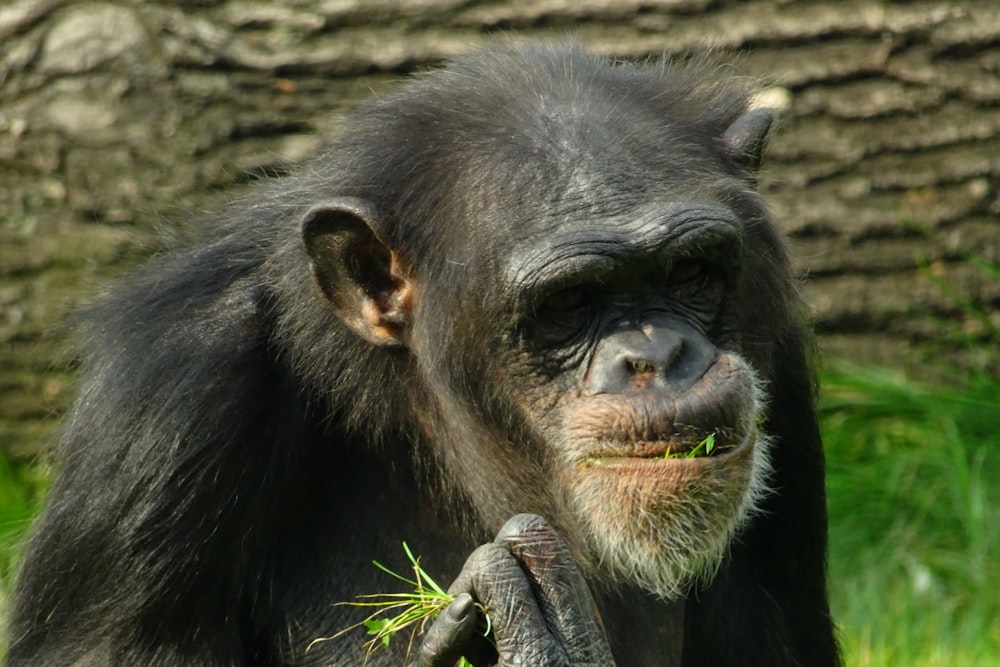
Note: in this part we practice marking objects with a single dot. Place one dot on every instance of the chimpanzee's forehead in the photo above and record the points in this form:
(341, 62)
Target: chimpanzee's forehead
(574, 172)
(529, 109)
(574, 182)
(516, 145)
(588, 135)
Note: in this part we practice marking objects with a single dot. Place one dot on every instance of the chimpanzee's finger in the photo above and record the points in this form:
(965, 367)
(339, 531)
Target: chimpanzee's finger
(563, 595)
(521, 634)
(449, 635)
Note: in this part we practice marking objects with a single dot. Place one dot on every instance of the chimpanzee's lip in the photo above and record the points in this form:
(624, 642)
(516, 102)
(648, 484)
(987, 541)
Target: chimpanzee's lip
(654, 453)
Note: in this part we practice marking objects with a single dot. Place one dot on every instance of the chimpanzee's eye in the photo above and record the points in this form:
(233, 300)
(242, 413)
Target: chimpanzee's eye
(565, 300)
(686, 271)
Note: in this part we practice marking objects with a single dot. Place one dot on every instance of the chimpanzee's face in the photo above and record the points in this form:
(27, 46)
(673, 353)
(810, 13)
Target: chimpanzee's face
(578, 333)
(630, 374)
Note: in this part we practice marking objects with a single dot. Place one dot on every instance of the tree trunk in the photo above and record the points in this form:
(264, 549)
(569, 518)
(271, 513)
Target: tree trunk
(118, 120)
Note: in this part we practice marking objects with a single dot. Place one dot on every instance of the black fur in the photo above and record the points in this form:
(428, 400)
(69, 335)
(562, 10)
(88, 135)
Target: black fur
(237, 456)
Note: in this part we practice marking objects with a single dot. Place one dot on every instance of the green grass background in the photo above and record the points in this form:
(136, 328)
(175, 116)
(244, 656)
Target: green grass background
(914, 495)
(913, 484)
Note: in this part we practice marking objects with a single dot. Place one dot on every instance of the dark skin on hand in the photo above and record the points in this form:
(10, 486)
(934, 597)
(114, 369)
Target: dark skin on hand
(528, 284)
(544, 612)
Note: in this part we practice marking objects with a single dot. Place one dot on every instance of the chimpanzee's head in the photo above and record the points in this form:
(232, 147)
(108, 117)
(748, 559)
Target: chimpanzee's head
(571, 257)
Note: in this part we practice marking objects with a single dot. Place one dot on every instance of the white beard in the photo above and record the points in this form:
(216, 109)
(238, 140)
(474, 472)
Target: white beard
(670, 531)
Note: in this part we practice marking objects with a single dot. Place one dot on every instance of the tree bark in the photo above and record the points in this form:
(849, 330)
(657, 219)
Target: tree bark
(121, 120)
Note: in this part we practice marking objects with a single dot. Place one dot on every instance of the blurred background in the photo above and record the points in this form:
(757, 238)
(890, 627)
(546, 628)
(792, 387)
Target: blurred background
(121, 121)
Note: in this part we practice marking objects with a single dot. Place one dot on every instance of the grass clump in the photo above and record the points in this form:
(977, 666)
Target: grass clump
(407, 611)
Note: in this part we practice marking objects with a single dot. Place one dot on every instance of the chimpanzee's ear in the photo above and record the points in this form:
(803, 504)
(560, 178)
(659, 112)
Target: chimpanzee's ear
(365, 281)
(746, 138)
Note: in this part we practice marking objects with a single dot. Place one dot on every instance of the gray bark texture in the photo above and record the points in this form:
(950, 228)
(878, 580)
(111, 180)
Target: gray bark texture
(121, 120)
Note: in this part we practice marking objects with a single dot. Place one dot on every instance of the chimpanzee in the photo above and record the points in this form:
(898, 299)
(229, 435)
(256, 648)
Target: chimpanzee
(533, 284)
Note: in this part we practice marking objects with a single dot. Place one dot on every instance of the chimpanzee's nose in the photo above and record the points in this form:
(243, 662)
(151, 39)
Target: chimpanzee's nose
(665, 355)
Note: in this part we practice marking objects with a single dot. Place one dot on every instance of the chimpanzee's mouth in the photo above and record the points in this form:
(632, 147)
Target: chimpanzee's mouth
(671, 450)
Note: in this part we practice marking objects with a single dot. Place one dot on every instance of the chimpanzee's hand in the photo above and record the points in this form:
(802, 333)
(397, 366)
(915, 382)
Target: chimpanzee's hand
(541, 609)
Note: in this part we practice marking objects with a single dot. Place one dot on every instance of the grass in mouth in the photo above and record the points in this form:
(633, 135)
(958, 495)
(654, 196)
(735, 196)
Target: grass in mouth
(703, 448)
(395, 612)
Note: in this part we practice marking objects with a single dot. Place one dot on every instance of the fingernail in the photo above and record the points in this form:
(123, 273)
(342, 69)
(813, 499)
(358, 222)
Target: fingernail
(459, 607)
